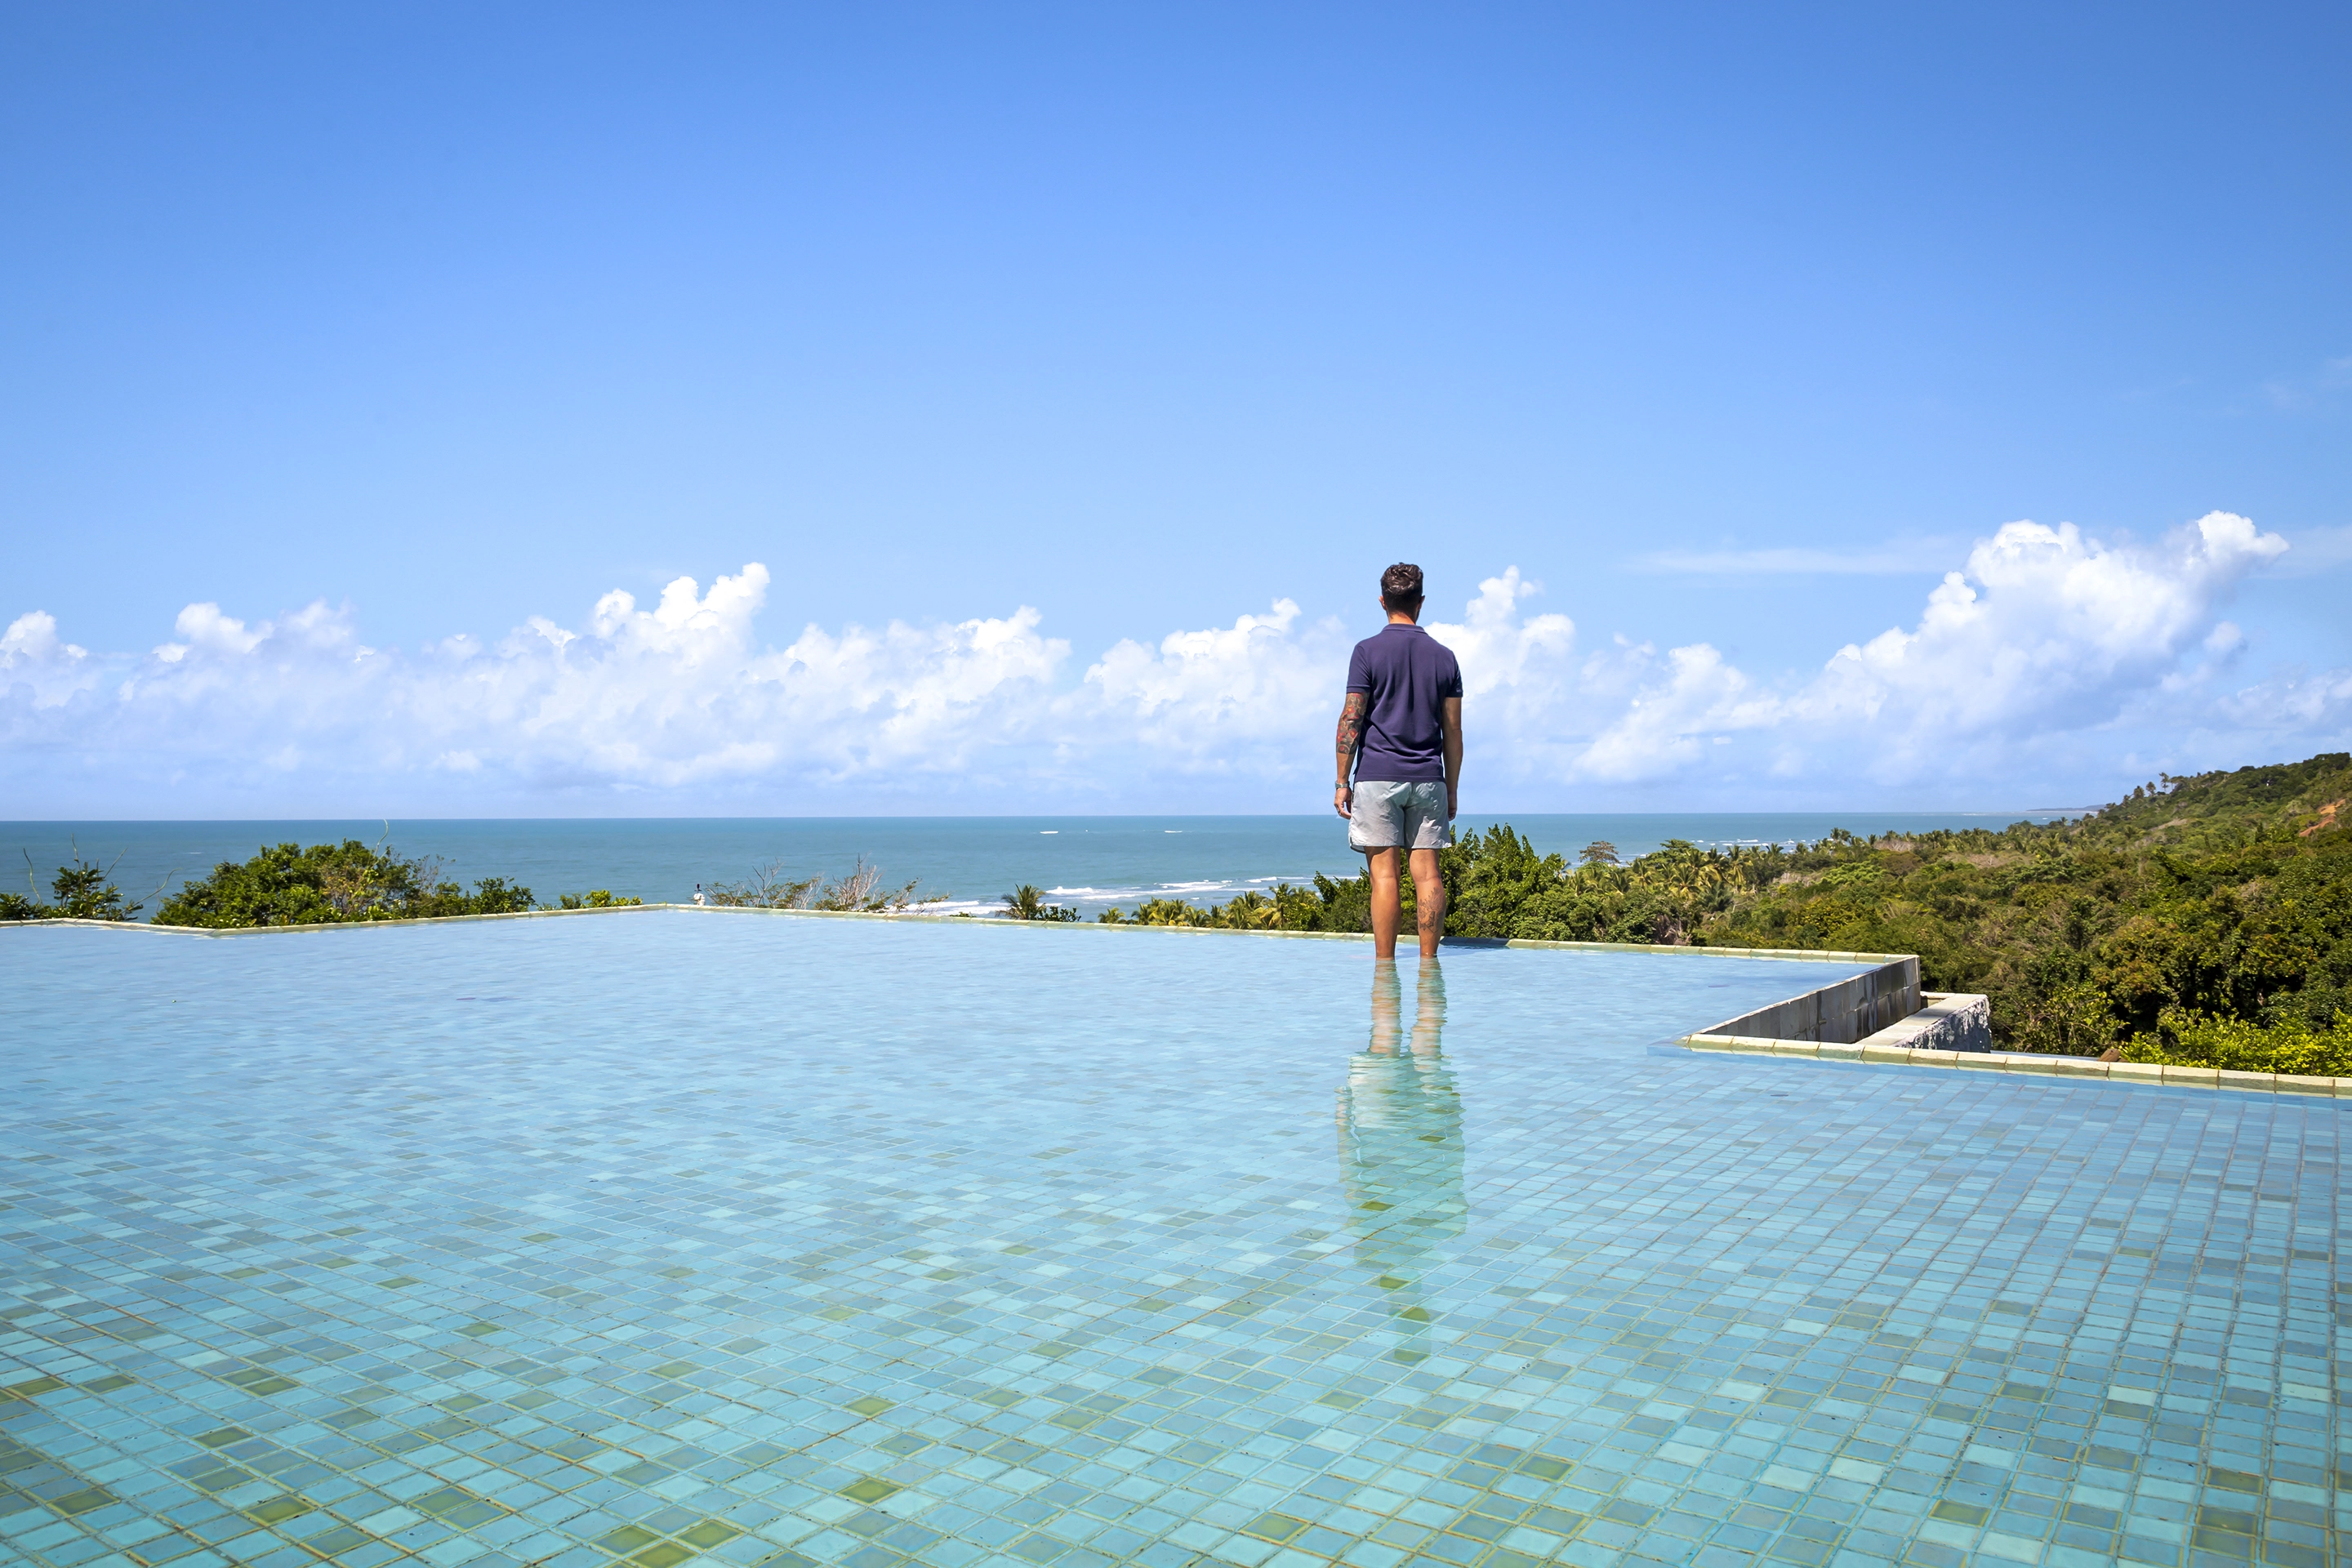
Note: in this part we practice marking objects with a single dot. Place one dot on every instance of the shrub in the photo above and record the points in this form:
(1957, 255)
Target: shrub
(83, 891)
(2184, 1038)
(325, 884)
(595, 899)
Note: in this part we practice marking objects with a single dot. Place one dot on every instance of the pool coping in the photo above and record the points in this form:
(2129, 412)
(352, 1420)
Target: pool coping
(1789, 955)
(2026, 1063)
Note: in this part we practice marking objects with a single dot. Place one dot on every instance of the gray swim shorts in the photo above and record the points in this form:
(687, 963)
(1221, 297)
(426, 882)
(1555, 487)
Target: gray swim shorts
(1389, 814)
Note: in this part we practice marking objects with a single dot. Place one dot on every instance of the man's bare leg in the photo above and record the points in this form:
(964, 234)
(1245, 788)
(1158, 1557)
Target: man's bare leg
(1388, 899)
(1388, 1009)
(1428, 1037)
(1428, 903)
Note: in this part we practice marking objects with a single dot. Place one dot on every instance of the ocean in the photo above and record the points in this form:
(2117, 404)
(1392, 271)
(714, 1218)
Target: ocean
(970, 862)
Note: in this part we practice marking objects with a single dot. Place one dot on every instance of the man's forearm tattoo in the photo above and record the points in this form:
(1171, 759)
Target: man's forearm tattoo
(1351, 732)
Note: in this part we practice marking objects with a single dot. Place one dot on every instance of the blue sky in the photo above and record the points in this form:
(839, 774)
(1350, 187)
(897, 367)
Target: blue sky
(1732, 329)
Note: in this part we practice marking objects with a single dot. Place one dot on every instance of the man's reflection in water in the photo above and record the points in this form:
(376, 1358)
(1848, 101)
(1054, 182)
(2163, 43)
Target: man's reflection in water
(1401, 1148)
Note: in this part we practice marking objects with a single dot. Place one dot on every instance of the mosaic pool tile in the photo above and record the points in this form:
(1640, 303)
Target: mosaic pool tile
(686, 1238)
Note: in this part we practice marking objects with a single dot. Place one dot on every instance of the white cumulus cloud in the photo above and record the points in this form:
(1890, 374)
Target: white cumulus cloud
(2046, 638)
(2047, 630)
(1249, 695)
(39, 668)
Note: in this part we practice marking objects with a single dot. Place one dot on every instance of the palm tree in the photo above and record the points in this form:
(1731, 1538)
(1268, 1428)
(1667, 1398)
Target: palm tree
(1253, 910)
(1025, 902)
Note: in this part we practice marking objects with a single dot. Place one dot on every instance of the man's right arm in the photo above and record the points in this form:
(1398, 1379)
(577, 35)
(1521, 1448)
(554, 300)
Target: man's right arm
(1344, 746)
(1451, 710)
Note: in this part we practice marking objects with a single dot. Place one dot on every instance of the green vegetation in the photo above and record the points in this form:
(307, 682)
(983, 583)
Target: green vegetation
(595, 899)
(1285, 907)
(2222, 899)
(1027, 902)
(325, 884)
(83, 891)
(2203, 920)
(2188, 1038)
(1499, 885)
(328, 883)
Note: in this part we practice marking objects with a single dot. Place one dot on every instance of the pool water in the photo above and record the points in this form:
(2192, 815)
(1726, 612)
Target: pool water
(674, 1237)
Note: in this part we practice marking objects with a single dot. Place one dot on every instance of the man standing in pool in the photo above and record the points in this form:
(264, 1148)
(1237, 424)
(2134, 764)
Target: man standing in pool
(1401, 737)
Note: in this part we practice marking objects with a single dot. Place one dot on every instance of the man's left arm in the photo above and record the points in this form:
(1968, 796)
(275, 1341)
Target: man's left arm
(1453, 722)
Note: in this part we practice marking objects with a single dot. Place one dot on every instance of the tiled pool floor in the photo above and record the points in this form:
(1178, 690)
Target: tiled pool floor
(671, 1237)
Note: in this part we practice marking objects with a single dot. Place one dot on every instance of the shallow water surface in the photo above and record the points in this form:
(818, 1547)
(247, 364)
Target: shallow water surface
(674, 1235)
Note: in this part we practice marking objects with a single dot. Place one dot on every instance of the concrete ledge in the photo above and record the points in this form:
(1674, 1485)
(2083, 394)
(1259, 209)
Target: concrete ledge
(2079, 1067)
(2154, 1075)
(1948, 1021)
(902, 916)
(1842, 1013)
(1781, 954)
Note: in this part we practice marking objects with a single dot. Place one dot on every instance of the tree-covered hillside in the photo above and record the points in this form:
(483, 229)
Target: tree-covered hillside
(2227, 895)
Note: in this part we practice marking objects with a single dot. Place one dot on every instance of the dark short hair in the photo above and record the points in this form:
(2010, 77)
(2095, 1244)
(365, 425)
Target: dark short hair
(1401, 586)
